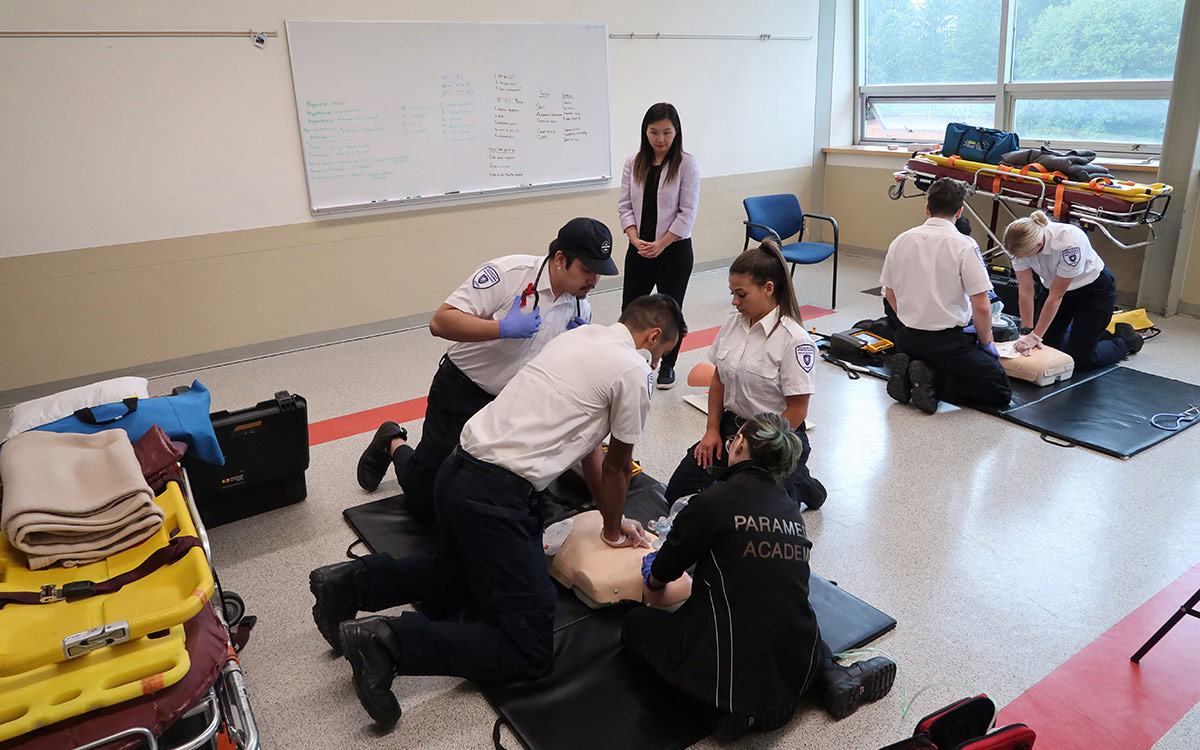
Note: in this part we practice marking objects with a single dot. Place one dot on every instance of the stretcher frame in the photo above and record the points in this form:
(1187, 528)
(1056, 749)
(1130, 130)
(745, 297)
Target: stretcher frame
(1140, 213)
(226, 703)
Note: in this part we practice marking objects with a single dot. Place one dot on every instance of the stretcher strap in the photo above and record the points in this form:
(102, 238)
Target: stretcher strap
(175, 550)
(1060, 205)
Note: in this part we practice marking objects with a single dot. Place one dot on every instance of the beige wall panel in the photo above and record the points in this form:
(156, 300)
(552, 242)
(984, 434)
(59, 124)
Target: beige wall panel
(1191, 283)
(93, 310)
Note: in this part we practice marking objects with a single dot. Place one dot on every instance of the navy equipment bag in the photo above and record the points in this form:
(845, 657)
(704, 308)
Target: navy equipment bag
(978, 144)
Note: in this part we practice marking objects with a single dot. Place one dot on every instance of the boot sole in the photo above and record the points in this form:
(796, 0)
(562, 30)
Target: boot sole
(923, 395)
(331, 637)
(355, 657)
(898, 385)
(867, 689)
(370, 480)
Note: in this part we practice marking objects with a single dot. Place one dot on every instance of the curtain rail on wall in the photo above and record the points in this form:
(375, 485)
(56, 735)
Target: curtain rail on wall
(750, 37)
(250, 34)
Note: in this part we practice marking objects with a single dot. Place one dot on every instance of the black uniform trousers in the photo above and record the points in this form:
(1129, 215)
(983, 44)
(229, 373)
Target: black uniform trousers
(453, 399)
(641, 621)
(669, 272)
(487, 585)
(689, 478)
(965, 374)
(1087, 311)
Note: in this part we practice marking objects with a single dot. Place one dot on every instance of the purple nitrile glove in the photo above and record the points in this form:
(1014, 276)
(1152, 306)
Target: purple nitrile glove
(647, 563)
(575, 322)
(990, 349)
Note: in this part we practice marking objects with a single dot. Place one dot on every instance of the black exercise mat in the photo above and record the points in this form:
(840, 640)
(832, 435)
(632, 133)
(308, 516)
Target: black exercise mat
(597, 695)
(1109, 412)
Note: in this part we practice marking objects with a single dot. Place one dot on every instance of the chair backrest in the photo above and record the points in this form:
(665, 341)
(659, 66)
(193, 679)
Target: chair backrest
(779, 212)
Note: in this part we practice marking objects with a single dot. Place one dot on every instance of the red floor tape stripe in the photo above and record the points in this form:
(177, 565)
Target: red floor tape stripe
(1100, 699)
(408, 411)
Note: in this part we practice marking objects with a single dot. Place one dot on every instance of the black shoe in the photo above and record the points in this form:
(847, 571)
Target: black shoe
(337, 589)
(375, 460)
(372, 647)
(898, 385)
(924, 392)
(1126, 333)
(813, 493)
(862, 682)
(666, 378)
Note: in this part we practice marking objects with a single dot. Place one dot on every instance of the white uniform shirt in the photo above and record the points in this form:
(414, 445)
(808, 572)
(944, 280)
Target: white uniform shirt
(489, 294)
(933, 269)
(586, 384)
(1067, 253)
(760, 368)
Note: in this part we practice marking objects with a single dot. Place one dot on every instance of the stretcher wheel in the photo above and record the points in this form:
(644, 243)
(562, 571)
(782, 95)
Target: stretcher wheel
(895, 190)
(233, 607)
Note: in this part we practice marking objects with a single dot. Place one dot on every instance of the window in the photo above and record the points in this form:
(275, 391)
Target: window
(1060, 72)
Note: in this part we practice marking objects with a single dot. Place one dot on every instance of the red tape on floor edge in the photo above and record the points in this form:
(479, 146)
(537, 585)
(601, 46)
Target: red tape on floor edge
(1100, 699)
(407, 411)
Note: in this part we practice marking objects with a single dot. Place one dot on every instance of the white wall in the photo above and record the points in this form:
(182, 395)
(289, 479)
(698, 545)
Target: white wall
(111, 141)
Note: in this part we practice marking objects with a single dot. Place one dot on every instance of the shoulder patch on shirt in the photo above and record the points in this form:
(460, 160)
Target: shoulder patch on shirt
(487, 277)
(1071, 256)
(650, 384)
(806, 355)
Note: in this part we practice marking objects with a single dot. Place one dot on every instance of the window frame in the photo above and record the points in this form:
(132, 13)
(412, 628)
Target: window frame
(1005, 92)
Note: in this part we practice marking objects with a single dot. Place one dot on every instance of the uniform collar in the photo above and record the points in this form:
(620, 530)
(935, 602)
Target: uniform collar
(935, 221)
(624, 335)
(767, 323)
(749, 468)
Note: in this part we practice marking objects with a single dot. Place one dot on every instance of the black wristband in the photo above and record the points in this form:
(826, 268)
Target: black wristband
(1026, 331)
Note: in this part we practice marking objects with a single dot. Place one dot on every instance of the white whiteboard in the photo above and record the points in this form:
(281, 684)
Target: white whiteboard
(395, 113)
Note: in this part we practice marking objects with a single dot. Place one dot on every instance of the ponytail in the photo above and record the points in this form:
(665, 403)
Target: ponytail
(1021, 238)
(766, 263)
(772, 444)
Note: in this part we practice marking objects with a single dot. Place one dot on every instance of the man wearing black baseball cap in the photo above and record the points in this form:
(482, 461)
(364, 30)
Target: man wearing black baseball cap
(499, 318)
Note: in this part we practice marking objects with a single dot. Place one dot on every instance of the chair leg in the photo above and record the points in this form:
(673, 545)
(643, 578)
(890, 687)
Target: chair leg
(1172, 621)
(833, 300)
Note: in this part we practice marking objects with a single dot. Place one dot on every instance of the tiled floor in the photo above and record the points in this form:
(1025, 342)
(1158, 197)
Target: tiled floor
(999, 555)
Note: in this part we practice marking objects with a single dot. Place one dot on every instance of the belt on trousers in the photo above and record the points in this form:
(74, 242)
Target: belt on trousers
(494, 473)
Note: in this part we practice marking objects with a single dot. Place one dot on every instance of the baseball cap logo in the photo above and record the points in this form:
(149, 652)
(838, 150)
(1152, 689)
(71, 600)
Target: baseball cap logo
(605, 248)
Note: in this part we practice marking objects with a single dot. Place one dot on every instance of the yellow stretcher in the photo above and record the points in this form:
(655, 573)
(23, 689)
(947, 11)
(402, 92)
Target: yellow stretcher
(54, 692)
(36, 635)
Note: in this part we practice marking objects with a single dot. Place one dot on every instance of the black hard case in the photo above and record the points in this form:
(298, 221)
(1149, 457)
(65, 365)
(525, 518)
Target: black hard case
(266, 455)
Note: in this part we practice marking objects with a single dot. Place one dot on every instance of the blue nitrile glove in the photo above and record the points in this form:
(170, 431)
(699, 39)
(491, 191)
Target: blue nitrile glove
(519, 325)
(575, 322)
(647, 563)
(990, 349)
(970, 327)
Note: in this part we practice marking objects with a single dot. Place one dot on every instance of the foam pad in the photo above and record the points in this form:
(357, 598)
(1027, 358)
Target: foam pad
(597, 695)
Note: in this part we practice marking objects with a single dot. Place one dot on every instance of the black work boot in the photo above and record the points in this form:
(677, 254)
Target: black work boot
(372, 649)
(338, 589)
(1126, 333)
(847, 688)
(375, 460)
(898, 385)
(813, 493)
(924, 391)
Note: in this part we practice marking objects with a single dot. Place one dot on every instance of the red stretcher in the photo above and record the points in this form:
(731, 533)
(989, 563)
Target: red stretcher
(1101, 204)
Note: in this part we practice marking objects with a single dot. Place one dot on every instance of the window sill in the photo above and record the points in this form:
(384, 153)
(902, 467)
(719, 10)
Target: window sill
(1114, 163)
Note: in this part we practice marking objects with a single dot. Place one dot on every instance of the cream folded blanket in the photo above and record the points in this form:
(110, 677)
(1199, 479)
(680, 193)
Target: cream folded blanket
(73, 498)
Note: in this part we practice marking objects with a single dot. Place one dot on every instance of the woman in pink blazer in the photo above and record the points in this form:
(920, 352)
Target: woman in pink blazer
(660, 188)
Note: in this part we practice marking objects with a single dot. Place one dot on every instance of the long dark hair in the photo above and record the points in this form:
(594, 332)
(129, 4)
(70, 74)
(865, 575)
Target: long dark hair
(766, 263)
(645, 157)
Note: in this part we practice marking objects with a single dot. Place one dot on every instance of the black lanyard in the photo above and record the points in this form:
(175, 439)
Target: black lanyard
(532, 289)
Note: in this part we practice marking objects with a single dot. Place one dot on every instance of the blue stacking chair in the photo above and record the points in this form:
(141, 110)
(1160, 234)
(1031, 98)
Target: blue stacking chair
(780, 216)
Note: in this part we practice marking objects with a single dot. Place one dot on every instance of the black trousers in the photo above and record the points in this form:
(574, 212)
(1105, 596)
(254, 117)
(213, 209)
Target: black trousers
(689, 478)
(966, 374)
(641, 621)
(490, 572)
(453, 399)
(1087, 311)
(669, 272)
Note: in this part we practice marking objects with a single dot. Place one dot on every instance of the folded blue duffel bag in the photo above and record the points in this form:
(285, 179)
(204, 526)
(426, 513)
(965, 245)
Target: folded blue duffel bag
(183, 417)
(978, 144)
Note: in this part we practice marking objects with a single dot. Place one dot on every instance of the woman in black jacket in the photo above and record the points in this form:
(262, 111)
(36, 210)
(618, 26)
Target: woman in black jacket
(747, 641)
